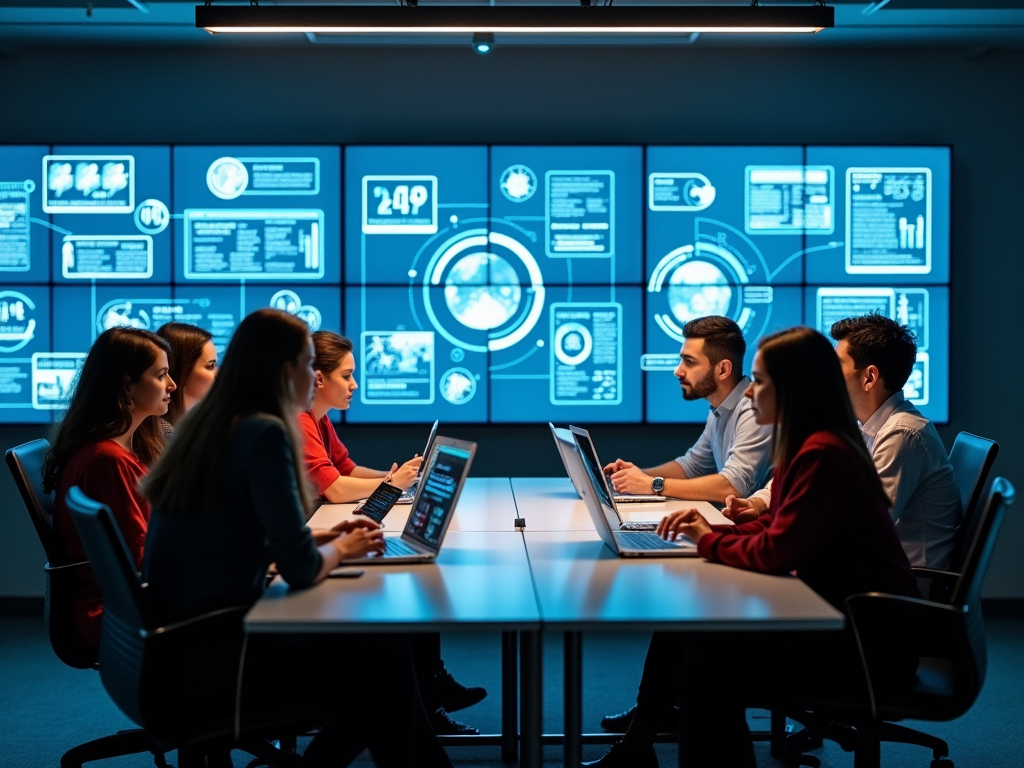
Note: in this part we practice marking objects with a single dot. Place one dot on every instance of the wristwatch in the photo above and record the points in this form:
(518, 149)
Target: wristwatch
(658, 484)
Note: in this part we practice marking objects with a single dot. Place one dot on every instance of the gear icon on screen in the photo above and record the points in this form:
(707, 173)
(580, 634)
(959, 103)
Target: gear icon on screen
(518, 183)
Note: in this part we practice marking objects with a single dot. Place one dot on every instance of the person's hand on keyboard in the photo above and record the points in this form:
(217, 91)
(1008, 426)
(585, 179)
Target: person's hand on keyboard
(359, 540)
(688, 522)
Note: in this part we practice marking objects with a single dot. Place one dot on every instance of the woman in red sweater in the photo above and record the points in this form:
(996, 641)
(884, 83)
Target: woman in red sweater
(104, 444)
(335, 476)
(828, 524)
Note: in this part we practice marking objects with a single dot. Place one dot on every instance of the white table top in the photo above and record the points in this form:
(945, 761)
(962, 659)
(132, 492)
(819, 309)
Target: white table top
(486, 504)
(582, 585)
(552, 504)
(480, 581)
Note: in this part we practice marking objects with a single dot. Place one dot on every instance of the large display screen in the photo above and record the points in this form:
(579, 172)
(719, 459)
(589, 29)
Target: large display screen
(497, 284)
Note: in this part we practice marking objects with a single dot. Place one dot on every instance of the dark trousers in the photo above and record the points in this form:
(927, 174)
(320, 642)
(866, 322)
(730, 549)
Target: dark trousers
(365, 686)
(426, 657)
(717, 677)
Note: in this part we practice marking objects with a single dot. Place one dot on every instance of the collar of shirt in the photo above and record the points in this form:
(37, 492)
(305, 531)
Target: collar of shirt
(733, 398)
(877, 419)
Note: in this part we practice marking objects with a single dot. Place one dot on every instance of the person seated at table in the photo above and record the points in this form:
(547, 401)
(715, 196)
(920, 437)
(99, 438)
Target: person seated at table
(337, 478)
(104, 444)
(193, 368)
(228, 499)
(877, 356)
(334, 474)
(830, 526)
(731, 457)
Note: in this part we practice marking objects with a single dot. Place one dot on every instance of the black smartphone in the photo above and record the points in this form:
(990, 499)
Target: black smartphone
(380, 502)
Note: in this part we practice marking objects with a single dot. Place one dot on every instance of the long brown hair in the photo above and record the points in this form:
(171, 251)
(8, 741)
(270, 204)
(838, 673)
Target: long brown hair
(811, 396)
(187, 342)
(251, 380)
(100, 406)
(331, 349)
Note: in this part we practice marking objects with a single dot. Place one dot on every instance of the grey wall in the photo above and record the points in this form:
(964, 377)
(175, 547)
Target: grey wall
(690, 95)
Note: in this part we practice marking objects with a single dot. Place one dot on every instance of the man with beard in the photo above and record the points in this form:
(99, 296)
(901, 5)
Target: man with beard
(731, 458)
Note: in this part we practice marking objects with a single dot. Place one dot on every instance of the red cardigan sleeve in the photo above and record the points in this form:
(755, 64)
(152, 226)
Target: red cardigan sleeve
(113, 479)
(801, 526)
(324, 463)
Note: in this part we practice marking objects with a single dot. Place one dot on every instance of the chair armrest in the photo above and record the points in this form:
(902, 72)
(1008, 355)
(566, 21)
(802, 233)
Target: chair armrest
(939, 583)
(876, 616)
(219, 613)
(55, 568)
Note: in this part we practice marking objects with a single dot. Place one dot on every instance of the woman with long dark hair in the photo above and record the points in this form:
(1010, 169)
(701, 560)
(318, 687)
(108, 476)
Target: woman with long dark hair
(104, 444)
(193, 368)
(828, 523)
(229, 498)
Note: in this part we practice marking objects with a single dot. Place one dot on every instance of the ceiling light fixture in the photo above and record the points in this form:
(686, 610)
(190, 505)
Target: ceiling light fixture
(515, 20)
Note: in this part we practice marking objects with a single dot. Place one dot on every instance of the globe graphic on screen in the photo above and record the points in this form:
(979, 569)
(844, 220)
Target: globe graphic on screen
(458, 386)
(696, 289)
(475, 303)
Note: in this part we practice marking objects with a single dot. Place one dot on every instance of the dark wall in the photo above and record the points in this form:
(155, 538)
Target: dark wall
(578, 95)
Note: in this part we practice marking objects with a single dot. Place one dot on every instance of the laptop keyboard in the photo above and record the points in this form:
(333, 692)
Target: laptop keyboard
(644, 541)
(638, 527)
(395, 547)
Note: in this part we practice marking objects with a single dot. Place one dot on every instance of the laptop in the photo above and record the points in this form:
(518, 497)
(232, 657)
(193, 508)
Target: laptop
(566, 445)
(444, 474)
(601, 505)
(410, 493)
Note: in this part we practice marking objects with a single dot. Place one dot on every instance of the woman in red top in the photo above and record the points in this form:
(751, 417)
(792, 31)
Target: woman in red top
(828, 524)
(104, 445)
(335, 476)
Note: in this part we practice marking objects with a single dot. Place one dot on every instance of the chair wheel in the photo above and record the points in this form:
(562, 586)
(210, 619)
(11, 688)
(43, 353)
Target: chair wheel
(941, 762)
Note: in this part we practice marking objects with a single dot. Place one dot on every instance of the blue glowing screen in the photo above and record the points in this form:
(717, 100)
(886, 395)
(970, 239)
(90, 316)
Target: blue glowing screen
(496, 284)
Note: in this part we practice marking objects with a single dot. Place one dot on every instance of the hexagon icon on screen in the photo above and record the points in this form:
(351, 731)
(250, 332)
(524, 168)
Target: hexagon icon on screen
(457, 386)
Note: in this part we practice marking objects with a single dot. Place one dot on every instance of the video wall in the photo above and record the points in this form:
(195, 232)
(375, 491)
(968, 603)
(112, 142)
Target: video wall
(479, 284)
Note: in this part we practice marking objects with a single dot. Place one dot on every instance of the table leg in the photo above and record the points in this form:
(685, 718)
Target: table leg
(573, 660)
(530, 701)
(509, 698)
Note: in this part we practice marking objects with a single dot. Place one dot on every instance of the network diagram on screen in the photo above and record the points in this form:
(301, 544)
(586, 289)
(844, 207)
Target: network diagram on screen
(478, 283)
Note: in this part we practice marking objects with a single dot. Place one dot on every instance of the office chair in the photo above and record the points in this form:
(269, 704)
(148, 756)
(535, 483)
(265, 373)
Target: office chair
(135, 660)
(26, 465)
(972, 458)
(953, 661)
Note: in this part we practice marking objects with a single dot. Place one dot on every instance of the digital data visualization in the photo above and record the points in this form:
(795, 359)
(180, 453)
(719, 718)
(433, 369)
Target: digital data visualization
(500, 284)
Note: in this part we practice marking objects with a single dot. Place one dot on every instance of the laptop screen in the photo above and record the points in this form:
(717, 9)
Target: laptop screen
(426, 451)
(436, 500)
(593, 465)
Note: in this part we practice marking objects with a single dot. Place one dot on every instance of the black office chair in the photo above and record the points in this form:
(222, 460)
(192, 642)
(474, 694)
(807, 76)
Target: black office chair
(26, 465)
(972, 458)
(135, 660)
(953, 659)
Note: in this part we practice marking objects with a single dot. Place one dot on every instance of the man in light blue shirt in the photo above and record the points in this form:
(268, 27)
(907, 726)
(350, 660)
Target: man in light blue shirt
(732, 456)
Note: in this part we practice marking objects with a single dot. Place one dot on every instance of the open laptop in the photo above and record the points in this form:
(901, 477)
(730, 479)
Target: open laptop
(444, 474)
(601, 505)
(410, 493)
(566, 445)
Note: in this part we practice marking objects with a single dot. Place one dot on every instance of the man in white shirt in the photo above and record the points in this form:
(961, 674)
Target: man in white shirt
(877, 356)
(731, 457)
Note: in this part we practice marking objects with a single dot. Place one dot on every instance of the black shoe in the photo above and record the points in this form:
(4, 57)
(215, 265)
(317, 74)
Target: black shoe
(622, 756)
(445, 726)
(452, 695)
(667, 723)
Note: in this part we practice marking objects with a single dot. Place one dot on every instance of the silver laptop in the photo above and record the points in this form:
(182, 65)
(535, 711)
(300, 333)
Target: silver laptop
(565, 444)
(410, 493)
(601, 505)
(444, 474)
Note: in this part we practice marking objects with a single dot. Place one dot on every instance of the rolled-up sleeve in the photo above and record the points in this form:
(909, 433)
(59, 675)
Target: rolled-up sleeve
(699, 461)
(747, 463)
(275, 495)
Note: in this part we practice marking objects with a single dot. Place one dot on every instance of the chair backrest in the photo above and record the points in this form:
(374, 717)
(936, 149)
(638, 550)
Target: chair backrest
(125, 611)
(26, 465)
(972, 458)
(967, 591)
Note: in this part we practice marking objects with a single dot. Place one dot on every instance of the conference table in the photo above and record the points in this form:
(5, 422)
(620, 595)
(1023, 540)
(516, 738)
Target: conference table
(553, 574)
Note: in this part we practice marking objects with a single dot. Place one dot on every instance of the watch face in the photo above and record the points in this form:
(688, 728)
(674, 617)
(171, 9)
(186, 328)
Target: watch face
(658, 485)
